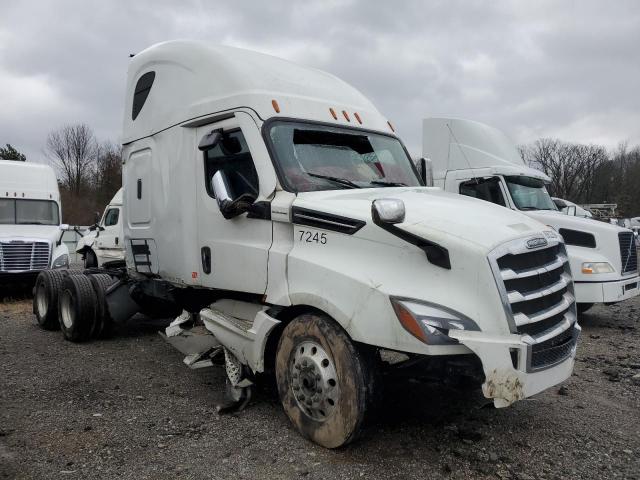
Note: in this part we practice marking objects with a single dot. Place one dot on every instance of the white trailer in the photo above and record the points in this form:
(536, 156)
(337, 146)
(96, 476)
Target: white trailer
(479, 161)
(30, 229)
(276, 208)
(103, 244)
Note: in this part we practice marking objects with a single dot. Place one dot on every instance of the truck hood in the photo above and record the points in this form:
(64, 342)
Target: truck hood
(558, 220)
(48, 233)
(430, 213)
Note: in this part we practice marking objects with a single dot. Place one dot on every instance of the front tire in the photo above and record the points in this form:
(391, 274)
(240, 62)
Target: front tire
(325, 383)
(90, 259)
(583, 307)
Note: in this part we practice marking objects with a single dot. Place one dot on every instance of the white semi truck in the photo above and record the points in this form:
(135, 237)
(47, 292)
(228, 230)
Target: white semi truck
(103, 244)
(479, 161)
(276, 208)
(30, 229)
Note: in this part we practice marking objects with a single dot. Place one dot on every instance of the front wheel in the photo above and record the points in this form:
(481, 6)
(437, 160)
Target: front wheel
(325, 383)
(583, 307)
(90, 259)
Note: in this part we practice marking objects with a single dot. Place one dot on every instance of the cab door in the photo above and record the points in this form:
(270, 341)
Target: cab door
(108, 241)
(233, 252)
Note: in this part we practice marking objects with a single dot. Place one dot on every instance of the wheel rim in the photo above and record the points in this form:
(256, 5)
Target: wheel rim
(66, 311)
(41, 300)
(314, 381)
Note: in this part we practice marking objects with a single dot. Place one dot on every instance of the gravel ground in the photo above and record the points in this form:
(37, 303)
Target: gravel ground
(128, 408)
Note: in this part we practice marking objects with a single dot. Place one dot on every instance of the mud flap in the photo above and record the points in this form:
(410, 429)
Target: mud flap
(504, 383)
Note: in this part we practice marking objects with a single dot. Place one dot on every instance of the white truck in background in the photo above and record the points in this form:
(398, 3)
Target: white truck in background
(103, 245)
(275, 207)
(570, 208)
(479, 161)
(30, 229)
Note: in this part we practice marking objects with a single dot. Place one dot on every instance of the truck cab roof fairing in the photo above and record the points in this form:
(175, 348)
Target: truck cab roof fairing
(195, 79)
(459, 144)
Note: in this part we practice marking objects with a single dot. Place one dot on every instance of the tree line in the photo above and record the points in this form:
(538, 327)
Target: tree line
(90, 171)
(589, 173)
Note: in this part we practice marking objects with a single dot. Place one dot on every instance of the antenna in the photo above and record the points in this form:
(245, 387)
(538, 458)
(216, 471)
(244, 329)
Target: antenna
(461, 151)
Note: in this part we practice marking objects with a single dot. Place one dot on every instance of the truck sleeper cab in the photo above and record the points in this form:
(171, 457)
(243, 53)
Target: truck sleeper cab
(30, 214)
(278, 209)
(479, 161)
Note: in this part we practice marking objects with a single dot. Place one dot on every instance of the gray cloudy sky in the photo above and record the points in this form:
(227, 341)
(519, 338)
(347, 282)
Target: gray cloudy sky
(568, 69)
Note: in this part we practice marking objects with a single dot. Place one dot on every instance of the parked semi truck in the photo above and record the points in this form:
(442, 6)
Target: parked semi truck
(30, 229)
(275, 211)
(103, 244)
(479, 161)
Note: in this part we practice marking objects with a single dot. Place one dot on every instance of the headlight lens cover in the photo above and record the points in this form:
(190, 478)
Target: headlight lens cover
(429, 322)
(61, 261)
(590, 268)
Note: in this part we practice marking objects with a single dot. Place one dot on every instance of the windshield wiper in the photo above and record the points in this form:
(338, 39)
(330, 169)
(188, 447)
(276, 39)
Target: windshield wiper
(388, 184)
(341, 181)
(530, 208)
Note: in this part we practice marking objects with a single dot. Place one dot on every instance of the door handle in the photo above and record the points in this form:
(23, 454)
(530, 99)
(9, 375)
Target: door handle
(205, 252)
(116, 240)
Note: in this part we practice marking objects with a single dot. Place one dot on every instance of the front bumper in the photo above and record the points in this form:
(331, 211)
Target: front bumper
(607, 292)
(507, 364)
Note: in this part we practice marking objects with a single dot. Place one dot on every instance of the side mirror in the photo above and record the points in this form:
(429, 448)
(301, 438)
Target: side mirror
(571, 210)
(210, 140)
(229, 205)
(64, 226)
(560, 203)
(388, 210)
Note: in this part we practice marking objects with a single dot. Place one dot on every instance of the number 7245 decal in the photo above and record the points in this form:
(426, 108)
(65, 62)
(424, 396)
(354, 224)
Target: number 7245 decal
(312, 237)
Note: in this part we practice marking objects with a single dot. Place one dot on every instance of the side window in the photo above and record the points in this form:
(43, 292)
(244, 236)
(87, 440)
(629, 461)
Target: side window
(140, 94)
(111, 217)
(233, 157)
(487, 189)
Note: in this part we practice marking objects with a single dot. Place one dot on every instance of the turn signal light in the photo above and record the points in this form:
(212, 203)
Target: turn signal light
(409, 322)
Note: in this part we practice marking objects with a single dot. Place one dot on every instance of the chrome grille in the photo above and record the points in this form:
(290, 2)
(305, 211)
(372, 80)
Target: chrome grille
(628, 252)
(537, 292)
(18, 256)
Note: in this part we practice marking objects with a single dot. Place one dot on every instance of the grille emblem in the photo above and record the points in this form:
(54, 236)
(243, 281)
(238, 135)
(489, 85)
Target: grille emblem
(537, 242)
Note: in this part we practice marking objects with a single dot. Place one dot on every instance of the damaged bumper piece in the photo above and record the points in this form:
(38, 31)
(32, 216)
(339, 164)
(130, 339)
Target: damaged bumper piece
(516, 367)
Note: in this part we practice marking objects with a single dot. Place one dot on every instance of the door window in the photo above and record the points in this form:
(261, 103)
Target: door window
(487, 189)
(232, 156)
(111, 217)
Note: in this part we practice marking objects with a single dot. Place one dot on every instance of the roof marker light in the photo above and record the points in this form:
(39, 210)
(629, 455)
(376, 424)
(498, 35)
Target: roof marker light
(333, 113)
(346, 115)
(391, 126)
(355, 114)
(275, 105)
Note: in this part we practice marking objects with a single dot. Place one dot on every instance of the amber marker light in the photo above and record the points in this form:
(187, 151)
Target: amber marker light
(409, 322)
(275, 105)
(391, 126)
(355, 114)
(333, 113)
(346, 115)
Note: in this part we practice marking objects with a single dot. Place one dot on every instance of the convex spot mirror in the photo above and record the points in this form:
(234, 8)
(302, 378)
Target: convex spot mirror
(388, 210)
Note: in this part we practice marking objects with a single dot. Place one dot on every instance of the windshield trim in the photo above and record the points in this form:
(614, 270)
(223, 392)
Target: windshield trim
(266, 129)
(15, 211)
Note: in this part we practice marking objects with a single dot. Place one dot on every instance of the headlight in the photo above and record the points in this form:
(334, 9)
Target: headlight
(597, 267)
(61, 262)
(430, 323)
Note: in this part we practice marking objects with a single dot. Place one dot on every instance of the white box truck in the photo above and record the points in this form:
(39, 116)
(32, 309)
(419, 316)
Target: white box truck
(479, 161)
(103, 244)
(30, 229)
(276, 208)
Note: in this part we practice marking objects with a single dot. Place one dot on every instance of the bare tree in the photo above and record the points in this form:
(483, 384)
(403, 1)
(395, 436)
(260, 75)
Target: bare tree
(108, 176)
(571, 166)
(73, 149)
